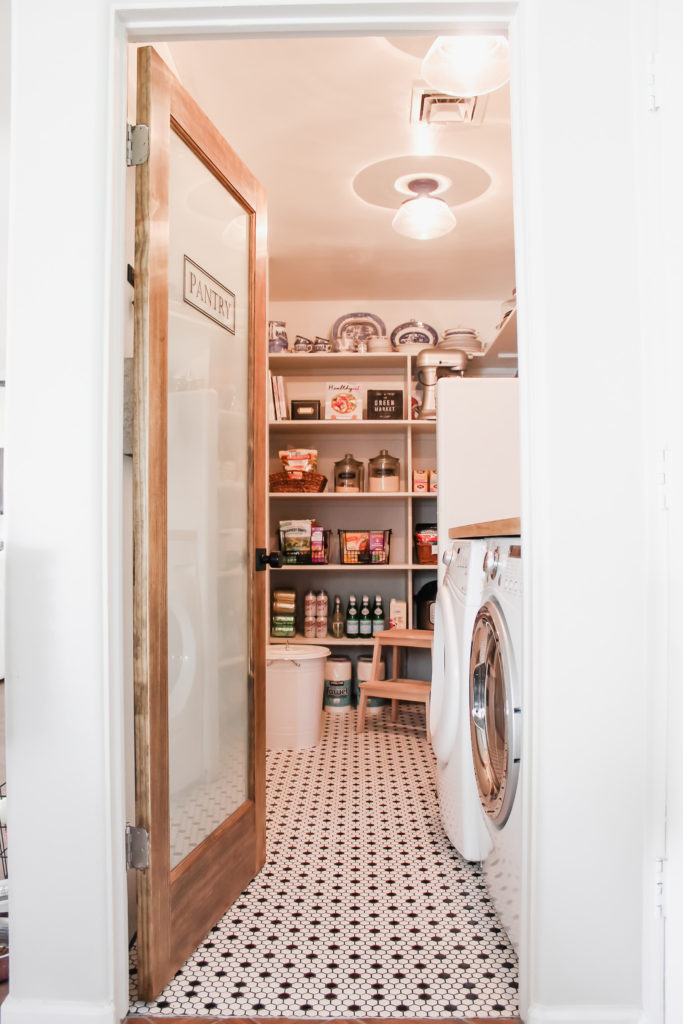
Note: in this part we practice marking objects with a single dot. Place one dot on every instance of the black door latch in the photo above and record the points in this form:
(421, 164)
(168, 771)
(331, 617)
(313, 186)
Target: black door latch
(263, 559)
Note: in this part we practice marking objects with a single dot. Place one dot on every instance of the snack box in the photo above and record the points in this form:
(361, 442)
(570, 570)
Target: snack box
(421, 480)
(397, 614)
(432, 481)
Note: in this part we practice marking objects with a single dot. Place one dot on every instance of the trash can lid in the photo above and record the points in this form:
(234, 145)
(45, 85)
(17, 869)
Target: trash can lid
(295, 652)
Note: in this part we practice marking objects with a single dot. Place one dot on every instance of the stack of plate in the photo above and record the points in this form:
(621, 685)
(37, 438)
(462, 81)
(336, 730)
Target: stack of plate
(464, 338)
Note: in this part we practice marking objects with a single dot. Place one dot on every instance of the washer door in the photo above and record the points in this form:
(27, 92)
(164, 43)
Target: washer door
(494, 719)
(443, 715)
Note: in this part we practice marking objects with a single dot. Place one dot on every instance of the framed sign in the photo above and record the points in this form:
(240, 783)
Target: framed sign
(385, 405)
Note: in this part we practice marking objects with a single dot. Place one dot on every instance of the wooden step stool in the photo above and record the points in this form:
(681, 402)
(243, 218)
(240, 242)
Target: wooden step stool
(396, 689)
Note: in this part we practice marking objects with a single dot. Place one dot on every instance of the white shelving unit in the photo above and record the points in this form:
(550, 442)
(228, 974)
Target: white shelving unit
(412, 441)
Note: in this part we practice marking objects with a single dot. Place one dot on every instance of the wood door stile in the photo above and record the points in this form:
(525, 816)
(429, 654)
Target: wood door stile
(176, 908)
(150, 553)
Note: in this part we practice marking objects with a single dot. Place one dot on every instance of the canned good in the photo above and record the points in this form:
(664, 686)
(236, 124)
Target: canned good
(310, 604)
(321, 628)
(310, 629)
(321, 605)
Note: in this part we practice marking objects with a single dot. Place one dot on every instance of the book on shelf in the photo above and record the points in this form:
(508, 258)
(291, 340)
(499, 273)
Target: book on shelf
(271, 399)
(279, 400)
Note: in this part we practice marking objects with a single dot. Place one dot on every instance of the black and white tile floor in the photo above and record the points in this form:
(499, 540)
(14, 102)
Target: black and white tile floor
(363, 907)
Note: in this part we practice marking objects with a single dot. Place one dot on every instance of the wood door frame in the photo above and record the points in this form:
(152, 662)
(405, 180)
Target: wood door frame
(186, 894)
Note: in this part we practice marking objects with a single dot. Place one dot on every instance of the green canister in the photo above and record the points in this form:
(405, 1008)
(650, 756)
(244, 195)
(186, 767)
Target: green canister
(338, 683)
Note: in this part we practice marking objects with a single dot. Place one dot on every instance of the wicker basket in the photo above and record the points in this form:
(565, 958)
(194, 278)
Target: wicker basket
(303, 482)
(424, 555)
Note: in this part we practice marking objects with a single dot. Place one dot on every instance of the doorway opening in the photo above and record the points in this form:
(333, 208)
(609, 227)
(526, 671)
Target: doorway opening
(364, 908)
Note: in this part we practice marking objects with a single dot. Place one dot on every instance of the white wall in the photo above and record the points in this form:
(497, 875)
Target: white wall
(4, 168)
(584, 502)
(64, 676)
(585, 464)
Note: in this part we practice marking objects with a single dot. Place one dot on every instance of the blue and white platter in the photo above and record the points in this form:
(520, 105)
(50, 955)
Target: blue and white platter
(413, 335)
(348, 330)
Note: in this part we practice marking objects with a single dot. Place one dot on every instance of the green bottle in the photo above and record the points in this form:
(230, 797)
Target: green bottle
(377, 615)
(365, 629)
(352, 617)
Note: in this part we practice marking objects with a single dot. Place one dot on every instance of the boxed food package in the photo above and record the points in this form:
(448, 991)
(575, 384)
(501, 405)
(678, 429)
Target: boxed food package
(432, 481)
(343, 402)
(397, 614)
(295, 541)
(420, 480)
(320, 545)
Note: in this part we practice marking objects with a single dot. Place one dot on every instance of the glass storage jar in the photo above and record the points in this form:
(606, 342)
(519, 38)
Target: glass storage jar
(348, 474)
(384, 472)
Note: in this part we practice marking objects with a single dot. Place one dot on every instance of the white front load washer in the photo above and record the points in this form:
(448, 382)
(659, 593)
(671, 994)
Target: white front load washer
(458, 600)
(495, 713)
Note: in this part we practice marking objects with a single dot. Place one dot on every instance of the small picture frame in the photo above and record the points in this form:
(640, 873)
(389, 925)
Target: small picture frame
(385, 405)
(305, 409)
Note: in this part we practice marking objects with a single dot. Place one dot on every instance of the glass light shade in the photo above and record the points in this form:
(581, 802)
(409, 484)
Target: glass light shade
(467, 65)
(423, 217)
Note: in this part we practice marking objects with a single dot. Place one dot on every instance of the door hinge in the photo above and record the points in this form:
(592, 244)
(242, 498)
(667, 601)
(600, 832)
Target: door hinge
(137, 144)
(137, 847)
(653, 97)
(660, 886)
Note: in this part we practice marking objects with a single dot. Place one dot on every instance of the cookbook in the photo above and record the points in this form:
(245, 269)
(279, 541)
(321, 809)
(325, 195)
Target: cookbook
(343, 402)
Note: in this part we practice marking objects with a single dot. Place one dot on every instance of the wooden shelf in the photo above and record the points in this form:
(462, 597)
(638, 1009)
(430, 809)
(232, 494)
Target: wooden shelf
(340, 426)
(342, 496)
(357, 362)
(339, 567)
(327, 641)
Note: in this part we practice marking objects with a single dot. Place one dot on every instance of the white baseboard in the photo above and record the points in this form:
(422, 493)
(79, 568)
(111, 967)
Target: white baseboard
(540, 1014)
(46, 1011)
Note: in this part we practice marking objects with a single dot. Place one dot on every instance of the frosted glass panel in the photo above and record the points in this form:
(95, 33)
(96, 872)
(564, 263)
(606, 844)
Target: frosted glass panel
(207, 502)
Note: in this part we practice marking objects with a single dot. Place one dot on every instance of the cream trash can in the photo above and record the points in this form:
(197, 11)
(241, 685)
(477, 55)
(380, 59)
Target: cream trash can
(295, 681)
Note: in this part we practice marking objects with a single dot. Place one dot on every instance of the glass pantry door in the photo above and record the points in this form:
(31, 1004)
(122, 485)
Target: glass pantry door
(199, 458)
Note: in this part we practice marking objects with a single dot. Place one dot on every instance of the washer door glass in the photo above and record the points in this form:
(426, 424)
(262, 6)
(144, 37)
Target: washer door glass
(492, 717)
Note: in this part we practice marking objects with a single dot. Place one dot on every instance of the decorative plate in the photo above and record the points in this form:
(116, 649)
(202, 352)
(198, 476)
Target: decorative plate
(413, 333)
(348, 330)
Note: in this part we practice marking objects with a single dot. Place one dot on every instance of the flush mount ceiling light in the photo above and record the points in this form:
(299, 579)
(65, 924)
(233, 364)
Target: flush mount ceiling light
(467, 65)
(424, 215)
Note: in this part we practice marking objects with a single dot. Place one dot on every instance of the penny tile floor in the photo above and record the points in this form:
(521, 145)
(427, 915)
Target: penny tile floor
(363, 907)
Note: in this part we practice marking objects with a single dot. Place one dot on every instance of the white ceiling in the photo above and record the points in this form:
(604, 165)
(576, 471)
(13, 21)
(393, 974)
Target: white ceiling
(306, 116)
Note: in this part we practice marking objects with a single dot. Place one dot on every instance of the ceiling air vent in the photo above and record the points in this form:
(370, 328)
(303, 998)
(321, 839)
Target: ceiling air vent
(438, 108)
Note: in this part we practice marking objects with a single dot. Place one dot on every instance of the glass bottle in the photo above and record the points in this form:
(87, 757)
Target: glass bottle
(352, 617)
(377, 615)
(337, 619)
(365, 621)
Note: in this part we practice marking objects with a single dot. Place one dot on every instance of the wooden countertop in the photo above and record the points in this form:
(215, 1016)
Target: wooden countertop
(493, 528)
